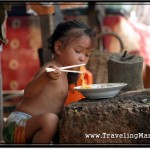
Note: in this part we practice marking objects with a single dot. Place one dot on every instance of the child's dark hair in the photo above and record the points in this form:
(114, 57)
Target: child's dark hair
(63, 32)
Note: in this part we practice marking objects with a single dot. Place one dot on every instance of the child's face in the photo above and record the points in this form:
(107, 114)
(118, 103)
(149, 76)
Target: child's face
(77, 51)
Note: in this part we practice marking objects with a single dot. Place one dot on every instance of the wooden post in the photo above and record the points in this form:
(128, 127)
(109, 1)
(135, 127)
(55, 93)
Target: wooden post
(48, 23)
(47, 27)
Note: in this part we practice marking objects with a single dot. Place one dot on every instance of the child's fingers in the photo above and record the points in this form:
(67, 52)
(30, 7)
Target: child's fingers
(54, 74)
(57, 71)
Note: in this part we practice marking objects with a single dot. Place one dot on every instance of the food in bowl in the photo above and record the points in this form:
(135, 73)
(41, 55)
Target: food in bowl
(83, 85)
(97, 91)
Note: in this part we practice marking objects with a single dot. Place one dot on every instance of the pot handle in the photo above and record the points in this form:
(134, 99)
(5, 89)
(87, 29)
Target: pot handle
(100, 35)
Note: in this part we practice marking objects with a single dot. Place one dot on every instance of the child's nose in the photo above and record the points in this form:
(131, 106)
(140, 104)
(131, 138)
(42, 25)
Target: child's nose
(82, 58)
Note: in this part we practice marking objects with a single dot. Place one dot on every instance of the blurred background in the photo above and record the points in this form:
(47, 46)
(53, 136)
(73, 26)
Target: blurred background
(25, 27)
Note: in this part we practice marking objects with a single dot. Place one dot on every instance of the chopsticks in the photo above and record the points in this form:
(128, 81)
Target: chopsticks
(64, 69)
(71, 71)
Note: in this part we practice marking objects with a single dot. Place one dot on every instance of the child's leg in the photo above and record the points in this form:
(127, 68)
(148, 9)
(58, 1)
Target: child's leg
(41, 128)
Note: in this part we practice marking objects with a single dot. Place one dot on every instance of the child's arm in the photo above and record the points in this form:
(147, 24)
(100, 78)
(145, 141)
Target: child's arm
(39, 81)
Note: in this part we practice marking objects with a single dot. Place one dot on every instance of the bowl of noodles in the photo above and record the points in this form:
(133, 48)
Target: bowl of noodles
(98, 91)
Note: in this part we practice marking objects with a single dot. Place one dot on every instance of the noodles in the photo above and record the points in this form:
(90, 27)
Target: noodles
(83, 80)
(84, 85)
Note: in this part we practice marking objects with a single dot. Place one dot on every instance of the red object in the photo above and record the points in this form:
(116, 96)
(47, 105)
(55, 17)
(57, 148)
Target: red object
(135, 37)
(75, 96)
(19, 58)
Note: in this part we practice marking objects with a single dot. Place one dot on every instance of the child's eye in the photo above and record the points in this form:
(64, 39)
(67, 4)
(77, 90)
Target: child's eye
(77, 51)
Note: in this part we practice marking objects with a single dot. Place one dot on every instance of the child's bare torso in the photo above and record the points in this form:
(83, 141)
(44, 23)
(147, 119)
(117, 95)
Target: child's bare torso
(51, 98)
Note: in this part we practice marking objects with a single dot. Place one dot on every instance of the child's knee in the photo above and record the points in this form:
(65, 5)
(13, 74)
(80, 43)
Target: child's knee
(50, 118)
(53, 117)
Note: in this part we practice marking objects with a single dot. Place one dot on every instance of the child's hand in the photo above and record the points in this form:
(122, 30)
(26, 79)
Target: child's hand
(54, 74)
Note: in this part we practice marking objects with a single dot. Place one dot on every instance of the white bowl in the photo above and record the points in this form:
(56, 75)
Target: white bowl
(105, 90)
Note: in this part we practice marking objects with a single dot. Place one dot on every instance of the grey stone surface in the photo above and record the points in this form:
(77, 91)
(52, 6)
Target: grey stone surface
(124, 119)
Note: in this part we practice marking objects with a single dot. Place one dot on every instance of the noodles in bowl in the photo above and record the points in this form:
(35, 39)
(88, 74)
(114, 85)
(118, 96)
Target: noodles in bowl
(84, 85)
(97, 91)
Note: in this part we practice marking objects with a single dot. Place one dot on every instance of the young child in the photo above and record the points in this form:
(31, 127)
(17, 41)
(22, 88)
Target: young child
(36, 118)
